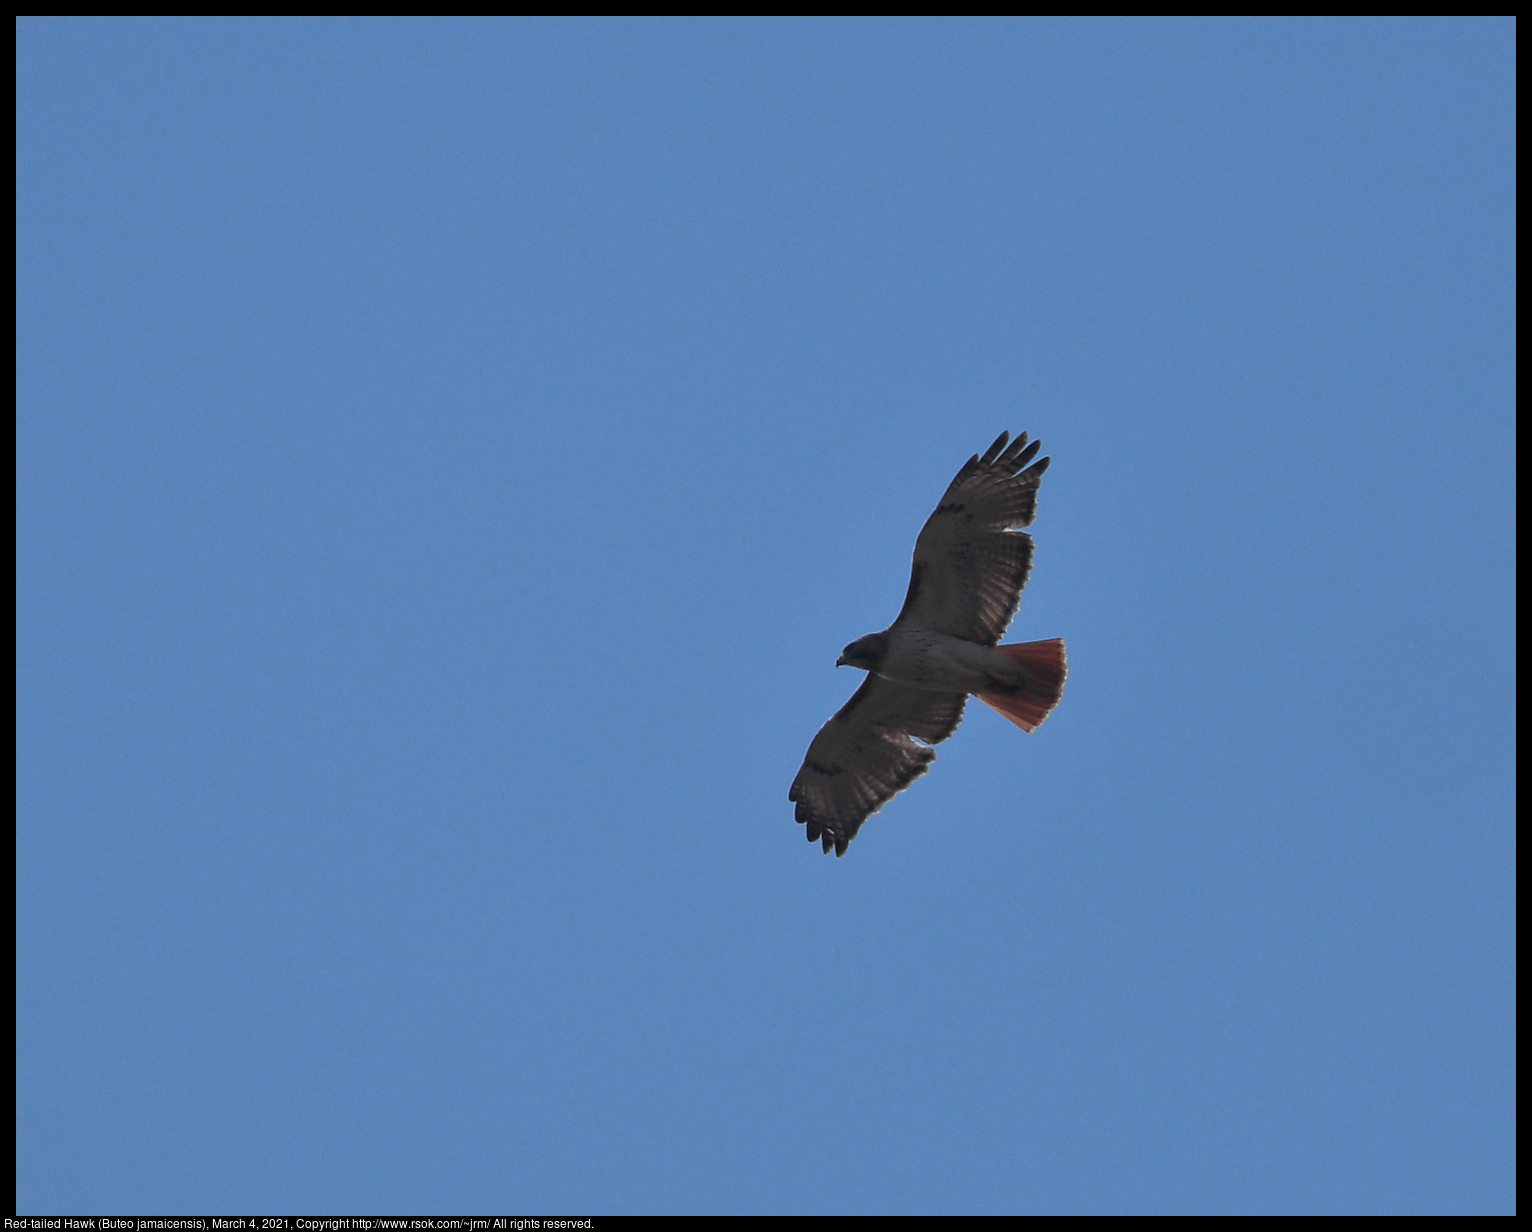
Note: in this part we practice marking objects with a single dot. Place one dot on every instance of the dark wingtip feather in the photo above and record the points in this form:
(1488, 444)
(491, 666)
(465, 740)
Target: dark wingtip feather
(994, 450)
(1008, 458)
(1026, 455)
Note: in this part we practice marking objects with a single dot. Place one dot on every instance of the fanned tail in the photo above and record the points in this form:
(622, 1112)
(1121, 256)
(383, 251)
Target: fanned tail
(1029, 705)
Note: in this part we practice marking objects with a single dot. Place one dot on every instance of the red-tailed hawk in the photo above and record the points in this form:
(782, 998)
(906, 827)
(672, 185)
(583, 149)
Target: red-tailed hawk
(971, 561)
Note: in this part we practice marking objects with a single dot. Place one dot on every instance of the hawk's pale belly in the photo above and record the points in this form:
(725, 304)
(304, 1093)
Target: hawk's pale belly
(946, 664)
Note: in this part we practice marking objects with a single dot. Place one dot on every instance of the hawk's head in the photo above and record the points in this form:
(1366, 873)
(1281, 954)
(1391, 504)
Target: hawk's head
(866, 652)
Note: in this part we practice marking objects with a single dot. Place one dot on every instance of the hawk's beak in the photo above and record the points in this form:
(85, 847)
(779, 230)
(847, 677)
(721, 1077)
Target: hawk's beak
(841, 662)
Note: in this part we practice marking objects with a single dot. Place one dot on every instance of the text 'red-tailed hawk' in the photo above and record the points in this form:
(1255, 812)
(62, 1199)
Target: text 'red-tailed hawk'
(971, 561)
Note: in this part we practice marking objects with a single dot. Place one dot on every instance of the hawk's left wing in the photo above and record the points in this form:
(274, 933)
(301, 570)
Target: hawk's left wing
(972, 559)
(871, 749)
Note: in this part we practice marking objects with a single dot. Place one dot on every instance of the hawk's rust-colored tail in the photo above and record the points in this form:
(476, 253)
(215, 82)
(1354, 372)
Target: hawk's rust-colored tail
(1046, 669)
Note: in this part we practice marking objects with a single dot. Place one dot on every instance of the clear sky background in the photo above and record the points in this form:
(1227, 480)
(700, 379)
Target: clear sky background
(451, 456)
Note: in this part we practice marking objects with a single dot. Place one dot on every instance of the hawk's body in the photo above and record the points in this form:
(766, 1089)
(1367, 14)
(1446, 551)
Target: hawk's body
(941, 663)
(971, 561)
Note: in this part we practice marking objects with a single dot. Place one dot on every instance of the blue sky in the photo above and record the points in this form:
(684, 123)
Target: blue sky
(451, 455)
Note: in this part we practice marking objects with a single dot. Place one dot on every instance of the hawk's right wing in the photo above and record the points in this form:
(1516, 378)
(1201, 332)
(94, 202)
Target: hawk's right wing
(876, 745)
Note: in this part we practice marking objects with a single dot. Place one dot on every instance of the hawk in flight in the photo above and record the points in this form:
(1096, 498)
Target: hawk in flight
(971, 561)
